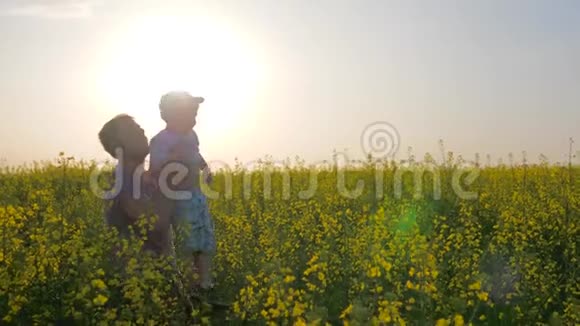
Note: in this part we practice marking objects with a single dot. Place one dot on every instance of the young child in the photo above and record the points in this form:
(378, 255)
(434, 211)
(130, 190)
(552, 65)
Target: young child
(178, 143)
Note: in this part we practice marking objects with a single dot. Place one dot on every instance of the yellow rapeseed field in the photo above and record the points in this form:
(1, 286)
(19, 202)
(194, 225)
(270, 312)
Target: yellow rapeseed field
(389, 255)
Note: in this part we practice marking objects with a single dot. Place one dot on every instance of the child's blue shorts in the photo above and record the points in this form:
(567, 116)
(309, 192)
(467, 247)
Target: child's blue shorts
(195, 228)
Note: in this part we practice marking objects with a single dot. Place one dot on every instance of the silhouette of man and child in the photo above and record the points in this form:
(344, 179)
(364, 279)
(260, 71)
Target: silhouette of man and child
(178, 144)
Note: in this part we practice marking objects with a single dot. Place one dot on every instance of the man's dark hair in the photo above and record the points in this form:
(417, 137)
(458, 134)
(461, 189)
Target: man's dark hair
(109, 134)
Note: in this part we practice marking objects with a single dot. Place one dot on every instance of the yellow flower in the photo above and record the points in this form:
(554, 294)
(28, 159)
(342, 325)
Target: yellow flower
(346, 312)
(98, 284)
(300, 322)
(374, 272)
(458, 320)
(298, 309)
(475, 286)
(409, 285)
(442, 322)
(100, 300)
(387, 266)
(483, 296)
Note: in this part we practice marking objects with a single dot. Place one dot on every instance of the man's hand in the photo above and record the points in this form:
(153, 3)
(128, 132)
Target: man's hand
(149, 184)
(207, 176)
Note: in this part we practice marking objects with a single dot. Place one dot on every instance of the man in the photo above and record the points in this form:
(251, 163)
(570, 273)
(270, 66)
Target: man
(125, 141)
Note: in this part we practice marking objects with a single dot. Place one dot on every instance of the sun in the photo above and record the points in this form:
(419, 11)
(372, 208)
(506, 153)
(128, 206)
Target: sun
(154, 55)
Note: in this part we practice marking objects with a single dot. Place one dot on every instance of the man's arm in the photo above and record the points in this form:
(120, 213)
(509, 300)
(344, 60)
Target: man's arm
(134, 208)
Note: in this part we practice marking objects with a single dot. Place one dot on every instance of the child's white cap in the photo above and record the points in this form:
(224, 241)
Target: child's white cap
(169, 100)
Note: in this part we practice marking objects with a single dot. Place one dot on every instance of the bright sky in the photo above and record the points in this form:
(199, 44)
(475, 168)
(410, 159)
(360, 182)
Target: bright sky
(286, 78)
